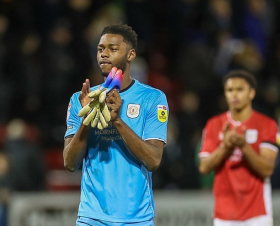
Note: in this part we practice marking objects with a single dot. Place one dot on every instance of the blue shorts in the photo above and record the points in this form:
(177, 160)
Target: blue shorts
(84, 221)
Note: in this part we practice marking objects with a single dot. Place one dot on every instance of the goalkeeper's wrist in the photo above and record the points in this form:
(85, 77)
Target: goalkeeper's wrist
(117, 121)
(84, 128)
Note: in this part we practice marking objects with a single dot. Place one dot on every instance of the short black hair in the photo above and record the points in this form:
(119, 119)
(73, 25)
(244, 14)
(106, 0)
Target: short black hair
(250, 78)
(129, 35)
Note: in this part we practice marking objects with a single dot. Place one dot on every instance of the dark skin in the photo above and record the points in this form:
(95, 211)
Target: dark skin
(113, 51)
(239, 96)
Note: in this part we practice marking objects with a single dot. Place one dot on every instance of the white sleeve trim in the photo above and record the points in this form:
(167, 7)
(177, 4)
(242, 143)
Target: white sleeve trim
(164, 141)
(203, 154)
(269, 146)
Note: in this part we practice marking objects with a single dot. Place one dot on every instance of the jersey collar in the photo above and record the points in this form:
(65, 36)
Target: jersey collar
(131, 84)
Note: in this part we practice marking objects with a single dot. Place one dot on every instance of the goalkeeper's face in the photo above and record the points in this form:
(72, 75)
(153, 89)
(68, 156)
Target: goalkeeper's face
(112, 51)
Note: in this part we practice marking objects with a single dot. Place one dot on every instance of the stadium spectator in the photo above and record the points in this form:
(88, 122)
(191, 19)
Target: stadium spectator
(5, 82)
(240, 145)
(26, 171)
(171, 172)
(21, 165)
(4, 167)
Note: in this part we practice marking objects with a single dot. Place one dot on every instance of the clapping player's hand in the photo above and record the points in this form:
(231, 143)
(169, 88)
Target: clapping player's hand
(227, 133)
(239, 139)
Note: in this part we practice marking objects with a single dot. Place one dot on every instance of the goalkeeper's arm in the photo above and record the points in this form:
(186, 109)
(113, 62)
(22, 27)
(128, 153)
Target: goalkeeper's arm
(148, 152)
(75, 147)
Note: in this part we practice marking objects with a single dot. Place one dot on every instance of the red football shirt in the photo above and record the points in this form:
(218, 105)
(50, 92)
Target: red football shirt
(239, 193)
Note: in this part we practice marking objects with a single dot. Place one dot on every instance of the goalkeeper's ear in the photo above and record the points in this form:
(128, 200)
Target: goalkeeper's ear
(131, 55)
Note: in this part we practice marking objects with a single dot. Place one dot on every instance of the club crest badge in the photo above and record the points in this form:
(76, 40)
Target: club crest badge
(251, 136)
(162, 113)
(133, 110)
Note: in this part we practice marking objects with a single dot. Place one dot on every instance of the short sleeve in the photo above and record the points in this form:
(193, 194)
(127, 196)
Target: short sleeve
(73, 121)
(157, 119)
(210, 139)
(270, 136)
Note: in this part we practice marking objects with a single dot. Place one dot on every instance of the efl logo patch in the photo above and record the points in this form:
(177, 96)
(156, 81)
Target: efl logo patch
(251, 136)
(133, 110)
(162, 113)
(278, 138)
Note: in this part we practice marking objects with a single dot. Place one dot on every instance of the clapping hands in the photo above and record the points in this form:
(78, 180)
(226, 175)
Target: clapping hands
(233, 138)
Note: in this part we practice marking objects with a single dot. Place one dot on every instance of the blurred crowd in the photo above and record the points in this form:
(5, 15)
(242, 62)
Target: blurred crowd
(48, 48)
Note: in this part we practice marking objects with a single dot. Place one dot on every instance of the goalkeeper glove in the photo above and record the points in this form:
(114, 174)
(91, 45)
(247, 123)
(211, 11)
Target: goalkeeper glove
(99, 114)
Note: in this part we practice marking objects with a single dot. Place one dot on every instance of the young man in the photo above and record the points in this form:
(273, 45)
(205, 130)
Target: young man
(117, 162)
(240, 146)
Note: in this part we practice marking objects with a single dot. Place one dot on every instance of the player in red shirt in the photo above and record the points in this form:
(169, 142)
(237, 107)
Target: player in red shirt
(240, 145)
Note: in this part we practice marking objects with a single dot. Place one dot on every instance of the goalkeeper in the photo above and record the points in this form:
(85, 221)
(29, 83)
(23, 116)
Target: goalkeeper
(116, 133)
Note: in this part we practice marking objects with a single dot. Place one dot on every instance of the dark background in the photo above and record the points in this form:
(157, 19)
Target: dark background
(48, 48)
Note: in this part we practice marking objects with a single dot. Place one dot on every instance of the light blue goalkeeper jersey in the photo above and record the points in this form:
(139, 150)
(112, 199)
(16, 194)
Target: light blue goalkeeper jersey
(116, 186)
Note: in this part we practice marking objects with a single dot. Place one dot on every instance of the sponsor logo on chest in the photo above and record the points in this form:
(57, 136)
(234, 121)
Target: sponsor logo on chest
(236, 155)
(108, 134)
